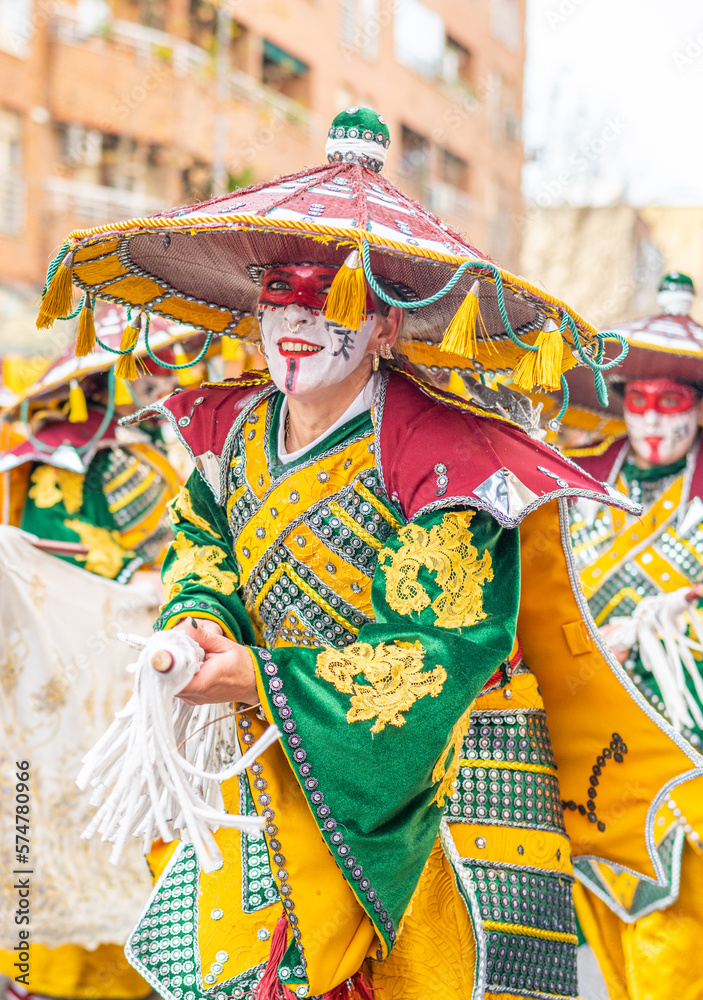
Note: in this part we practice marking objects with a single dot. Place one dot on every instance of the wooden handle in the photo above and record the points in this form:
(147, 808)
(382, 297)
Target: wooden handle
(63, 548)
(162, 661)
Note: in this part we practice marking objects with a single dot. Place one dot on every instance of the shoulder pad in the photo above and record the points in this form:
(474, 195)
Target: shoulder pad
(436, 452)
(203, 417)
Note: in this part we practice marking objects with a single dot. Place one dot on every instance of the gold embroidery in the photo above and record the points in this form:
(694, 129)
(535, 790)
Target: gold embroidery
(395, 675)
(51, 486)
(202, 561)
(52, 695)
(446, 775)
(183, 505)
(16, 653)
(37, 590)
(448, 553)
(105, 554)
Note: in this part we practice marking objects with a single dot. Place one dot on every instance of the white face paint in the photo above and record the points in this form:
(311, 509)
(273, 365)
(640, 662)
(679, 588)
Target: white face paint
(305, 352)
(661, 438)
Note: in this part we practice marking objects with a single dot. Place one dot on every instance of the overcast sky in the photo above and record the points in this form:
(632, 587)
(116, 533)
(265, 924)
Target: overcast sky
(613, 101)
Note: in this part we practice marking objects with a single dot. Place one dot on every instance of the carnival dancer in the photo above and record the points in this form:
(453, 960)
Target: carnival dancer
(94, 495)
(639, 576)
(348, 556)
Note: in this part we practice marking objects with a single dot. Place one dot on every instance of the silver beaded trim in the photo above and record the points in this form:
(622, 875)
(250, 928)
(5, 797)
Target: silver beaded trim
(360, 883)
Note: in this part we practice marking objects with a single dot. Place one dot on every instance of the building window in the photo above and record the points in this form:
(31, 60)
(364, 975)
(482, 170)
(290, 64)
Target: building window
(457, 64)
(285, 72)
(11, 186)
(203, 29)
(415, 156)
(453, 170)
(419, 38)
(89, 156)
(16, 27)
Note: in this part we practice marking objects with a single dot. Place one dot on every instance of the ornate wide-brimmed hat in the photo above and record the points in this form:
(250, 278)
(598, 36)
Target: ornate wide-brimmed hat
(159, 348)
(668, 345)
(201, 265)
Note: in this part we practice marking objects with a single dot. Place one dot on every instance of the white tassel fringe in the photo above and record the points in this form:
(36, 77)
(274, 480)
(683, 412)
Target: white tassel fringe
(659, 624)
(157, 770)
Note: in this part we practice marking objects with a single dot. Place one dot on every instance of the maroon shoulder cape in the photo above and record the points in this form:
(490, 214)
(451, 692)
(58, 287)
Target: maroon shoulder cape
(432, 449)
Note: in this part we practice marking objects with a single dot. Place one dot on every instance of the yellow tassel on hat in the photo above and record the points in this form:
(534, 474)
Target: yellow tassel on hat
(461, 334)
(85, 341)
(346, 301)
(543, 366)
(57, 301)
(123, 397)
(186, 376)
(77, 407)
(550, 356)
(126, 366)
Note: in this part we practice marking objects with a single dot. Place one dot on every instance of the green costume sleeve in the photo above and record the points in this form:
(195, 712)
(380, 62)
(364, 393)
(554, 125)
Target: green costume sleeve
(372, 730)
(199, 572)
(69, 507)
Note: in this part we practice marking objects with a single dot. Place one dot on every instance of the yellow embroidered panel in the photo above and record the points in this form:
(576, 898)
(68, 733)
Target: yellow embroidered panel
(182, 506)
(201, 560)
(105, 553)
(446, 775)
(395, 674)
(51, 486)
(291, 497)
(446, 551)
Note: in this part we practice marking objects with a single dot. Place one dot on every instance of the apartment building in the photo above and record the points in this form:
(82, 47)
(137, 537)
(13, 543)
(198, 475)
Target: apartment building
(122, 108)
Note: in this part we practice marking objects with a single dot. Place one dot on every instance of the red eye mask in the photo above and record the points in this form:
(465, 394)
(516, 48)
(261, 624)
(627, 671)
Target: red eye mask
(659, 394)
(301, 284)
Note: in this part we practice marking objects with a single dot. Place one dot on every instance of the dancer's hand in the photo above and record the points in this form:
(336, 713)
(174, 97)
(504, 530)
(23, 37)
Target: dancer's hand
(695, 593)
(227, 673)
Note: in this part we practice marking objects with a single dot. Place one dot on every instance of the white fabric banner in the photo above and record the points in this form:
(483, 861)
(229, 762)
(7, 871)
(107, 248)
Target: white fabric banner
(62, 678)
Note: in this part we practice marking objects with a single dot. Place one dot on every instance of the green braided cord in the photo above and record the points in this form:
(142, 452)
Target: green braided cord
(567, 320)
(176, 368)
(104, 423)
(475, 264)
(77, 310)
(115, 350)
(565, 404)
(416, 303)
(54, 265)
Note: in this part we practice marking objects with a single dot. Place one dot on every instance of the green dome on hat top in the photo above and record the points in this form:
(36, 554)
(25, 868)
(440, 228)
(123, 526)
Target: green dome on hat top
(358, 135)
(675, 281)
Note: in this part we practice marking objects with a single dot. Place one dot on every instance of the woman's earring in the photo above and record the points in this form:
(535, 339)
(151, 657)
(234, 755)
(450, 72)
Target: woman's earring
(386, 352)
(258, 347)
(375, 361)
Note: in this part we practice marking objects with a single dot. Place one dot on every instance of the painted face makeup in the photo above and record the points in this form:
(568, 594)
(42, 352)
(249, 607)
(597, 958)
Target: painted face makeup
(304, 351)
(662, 419)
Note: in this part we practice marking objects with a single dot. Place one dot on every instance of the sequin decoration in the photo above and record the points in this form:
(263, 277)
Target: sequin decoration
(164, 945)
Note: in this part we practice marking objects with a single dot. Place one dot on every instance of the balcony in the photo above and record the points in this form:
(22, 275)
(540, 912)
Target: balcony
(246, 88)
(92, 204)
(69, 26)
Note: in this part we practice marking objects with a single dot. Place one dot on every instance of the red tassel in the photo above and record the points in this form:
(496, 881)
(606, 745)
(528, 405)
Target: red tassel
(270, 986)
(363, 990)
